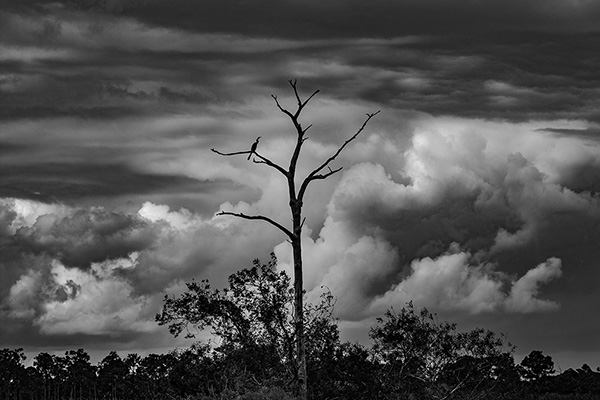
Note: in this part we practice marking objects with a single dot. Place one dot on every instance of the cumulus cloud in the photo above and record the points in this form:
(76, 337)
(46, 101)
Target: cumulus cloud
(61, 267)
(181, 219)
(445, 228)
(94, 302)
(76, 271)
(523, 293)
(452, 282)
(354, 275)
(61, 300)
(382, 235)
(23, 294)
(24, 213)
(85, 236)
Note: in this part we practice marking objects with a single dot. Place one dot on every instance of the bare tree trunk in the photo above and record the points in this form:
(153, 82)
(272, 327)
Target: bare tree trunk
(295, 235)
(302, 388)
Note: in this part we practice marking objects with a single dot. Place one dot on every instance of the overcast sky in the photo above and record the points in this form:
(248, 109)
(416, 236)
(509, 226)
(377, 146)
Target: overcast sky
(475, 191)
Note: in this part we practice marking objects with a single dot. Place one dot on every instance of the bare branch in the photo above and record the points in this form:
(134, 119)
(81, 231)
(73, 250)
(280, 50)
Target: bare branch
(283, 110)
(310, 97)
(314, 175)
(293, 85)
(260, 217)
(328, 174)
(301, 104)
(265, 160)
(230, 154)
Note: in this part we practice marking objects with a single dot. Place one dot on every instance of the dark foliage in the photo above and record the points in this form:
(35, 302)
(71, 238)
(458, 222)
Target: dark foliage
(536, 365)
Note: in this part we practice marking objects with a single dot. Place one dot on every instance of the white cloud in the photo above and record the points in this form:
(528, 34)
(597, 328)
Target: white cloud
(182, 219)
(529, 193)
(102, 304)
(22, 295)
(362, 266)
(447, 282)
(27, 212)
(523, 293)
(452, 282)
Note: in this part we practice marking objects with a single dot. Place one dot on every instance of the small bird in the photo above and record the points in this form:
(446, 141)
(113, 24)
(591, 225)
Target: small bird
(253, 148)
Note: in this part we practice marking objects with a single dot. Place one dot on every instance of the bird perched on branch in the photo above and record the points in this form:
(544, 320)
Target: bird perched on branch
(253, 148)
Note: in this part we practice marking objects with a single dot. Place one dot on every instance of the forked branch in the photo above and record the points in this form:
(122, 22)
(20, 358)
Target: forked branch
(260, 217)
(315, 174)
(301, 104)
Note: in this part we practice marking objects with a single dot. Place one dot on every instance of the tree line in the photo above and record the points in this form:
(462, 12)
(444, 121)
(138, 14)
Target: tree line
(412, 355)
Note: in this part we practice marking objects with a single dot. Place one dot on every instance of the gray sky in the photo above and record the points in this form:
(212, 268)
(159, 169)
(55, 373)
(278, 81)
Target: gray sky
(473, 193)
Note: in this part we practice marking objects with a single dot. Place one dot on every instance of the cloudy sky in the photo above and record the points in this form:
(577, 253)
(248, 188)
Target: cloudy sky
(475, 191)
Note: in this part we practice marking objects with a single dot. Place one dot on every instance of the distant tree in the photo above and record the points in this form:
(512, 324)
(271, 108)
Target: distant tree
(112, 376)
(536, 365)
(193, 371)
(12, 372)
(81, 374)
(54, 374)
(61, 376)
(152, 376)
(252, 319)
(32, 384)
(585, 369)
(44, 365)
(296, 201)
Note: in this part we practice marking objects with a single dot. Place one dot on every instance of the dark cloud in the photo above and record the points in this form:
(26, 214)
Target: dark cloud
(507, 76)
(512, 73)
(11, 148)
(86, 236)
(83, 237)
(588, 133)
(64, 182)
(25, 334)
(355, 18)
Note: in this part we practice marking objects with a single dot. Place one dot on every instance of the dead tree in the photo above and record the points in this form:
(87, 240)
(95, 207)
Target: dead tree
(296, 196)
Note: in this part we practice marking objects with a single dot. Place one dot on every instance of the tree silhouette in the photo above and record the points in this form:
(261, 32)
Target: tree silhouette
(12, 372)
(81, 373)
(296, 197)
(252, 320)
(536, 365)
(112, 374)
(416, 350)
(44, 364)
